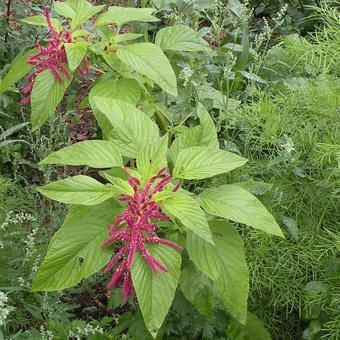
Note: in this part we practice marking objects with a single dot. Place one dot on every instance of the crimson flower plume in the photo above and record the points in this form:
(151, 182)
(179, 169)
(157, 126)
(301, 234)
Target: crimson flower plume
(135, 227)
(53, 57)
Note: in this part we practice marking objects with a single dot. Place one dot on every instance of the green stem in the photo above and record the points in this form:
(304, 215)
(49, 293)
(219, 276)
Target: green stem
(161, 122)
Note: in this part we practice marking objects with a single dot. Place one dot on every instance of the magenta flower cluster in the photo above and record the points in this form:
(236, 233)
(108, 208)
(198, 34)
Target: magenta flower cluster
(52, 57)
(135, 227)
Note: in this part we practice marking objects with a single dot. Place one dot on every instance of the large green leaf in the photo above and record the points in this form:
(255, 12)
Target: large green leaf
(149, 60)
(152, 158)
(126, 89)
(203, 162)
(224, 263)
(217, 98)
(75, 251)
(122, 186)
(201, 135)
(198, 289)
(180, 38)
(237, 204)
(129, 126)
(121, 15)
(18, 69)
(79, 189)
(46, 94)
(155, 291)
(253, 329)
(189, 213)
(209, 134)
(75, 52)
(40, 20)
(80, 11)
(94, 153)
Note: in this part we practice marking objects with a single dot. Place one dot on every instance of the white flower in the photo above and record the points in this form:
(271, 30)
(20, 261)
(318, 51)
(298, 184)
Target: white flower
(287, 146)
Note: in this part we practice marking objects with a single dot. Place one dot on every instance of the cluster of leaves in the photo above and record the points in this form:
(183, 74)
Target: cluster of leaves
(213, 255)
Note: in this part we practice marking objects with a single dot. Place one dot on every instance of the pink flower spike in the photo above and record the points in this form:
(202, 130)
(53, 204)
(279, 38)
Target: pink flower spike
(115, 259)
(127, 287)
(116, 275)
(134, 228)
(55, 72)
(169, 243)
(25, 100)
(178, 186)
(26, 89)
(160, 186)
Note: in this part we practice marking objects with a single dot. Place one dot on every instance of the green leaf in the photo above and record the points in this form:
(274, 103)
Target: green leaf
(13, 129)
(129, 126)
(224, 263)
(46, 94)
(237, 204)
(127, 37)
(189, 213)
(121, 185)
(65, 9)
(121, 15)
(155, 291)
(126, 89)
(209, 134)
(180, 38)
(79, 189)
(203, 162)
(198, 289)
(75, 53)
(94, 153)
(40, 20)
(75, 251)
(152, 157)
(80, 11)
(254, 329)
(219, 100)
(202, 135)
(149, 60)
(18, 69)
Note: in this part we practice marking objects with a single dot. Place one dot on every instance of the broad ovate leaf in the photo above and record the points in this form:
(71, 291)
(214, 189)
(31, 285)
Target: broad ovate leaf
(121, 15)
(78, 189)
(46, 94)
(217, 98)
(201, 135)
(40, 20)
(75, 251)
(253, 329)
(225, 264)
(80, 11)
(199, 290)
(204, 162)
(209, 134)
(94, 153)
(131, 129)
(75, 51)
(180, 38)
(107, 86)
(121, 185)
(18, 69)
(152, 158)
(155, 291)
(188, 212)
(149, 60)
(237, 204)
